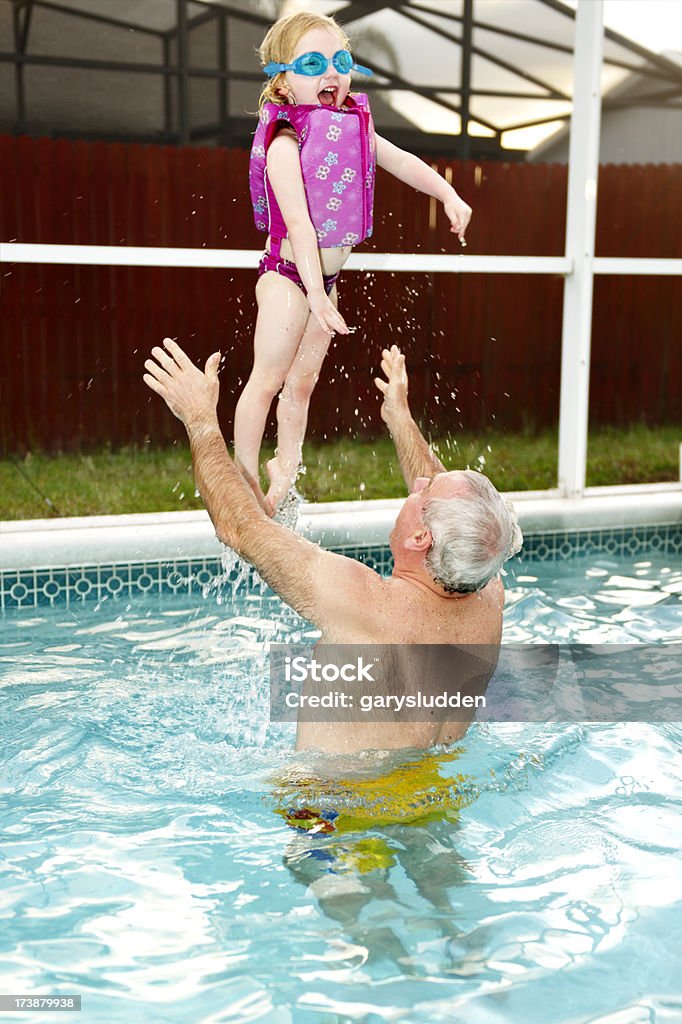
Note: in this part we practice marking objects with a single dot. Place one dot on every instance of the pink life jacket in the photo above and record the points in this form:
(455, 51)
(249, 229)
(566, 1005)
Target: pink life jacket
(338, 160)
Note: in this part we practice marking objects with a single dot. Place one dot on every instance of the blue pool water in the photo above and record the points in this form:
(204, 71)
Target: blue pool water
(143, 864)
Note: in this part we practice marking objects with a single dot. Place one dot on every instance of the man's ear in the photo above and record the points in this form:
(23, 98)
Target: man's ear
(421, 540)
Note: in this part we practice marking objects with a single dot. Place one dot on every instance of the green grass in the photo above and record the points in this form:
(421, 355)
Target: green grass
(148, 480)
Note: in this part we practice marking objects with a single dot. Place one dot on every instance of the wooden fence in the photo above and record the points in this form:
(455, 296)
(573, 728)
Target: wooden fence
(482, 350)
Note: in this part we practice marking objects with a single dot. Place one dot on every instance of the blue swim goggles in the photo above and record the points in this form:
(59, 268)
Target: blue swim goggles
(313, 64)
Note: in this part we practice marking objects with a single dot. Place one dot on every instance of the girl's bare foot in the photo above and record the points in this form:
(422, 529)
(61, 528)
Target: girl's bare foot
(280, 482)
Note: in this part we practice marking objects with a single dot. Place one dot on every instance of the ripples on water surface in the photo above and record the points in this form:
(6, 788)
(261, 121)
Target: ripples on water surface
(142, 863)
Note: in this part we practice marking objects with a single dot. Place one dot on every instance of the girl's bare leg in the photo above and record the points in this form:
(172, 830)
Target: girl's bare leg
(292, 409)
(282, 316)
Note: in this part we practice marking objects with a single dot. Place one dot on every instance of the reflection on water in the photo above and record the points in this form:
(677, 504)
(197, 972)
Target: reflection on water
(160, 856)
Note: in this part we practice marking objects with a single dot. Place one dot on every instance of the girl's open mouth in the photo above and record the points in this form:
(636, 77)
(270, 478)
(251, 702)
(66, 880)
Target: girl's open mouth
(328, 96)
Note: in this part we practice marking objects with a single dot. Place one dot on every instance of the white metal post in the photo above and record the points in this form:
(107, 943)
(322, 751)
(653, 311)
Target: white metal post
(581, 215)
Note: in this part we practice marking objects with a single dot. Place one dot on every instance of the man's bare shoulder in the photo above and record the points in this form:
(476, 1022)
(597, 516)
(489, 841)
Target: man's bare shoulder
(330, 590)
(479, 616)
(493, 593)
(354, 599)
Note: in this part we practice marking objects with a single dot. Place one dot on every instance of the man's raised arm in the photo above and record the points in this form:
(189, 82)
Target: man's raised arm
(416, 458)
(192, 396)
(328, 589)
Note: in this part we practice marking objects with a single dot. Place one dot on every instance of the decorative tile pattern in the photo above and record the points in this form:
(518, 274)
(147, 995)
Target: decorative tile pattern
(665, 538)
(26, 588)
(30, 588)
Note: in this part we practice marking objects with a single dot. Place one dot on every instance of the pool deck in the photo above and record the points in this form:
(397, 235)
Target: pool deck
(167, 536)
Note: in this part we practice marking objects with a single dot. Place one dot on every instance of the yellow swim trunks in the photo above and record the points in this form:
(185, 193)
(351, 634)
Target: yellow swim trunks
(412, 793)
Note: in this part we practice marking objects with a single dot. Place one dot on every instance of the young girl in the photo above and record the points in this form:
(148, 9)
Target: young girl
(312, 184)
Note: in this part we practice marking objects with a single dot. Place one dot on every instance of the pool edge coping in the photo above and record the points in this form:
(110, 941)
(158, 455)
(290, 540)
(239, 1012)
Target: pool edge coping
(170, 536)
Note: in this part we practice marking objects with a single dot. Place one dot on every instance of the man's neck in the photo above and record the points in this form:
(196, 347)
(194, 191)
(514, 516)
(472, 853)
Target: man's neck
(418, 578)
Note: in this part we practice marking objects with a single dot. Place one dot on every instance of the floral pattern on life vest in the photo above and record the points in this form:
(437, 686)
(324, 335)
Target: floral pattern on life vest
(338, 178)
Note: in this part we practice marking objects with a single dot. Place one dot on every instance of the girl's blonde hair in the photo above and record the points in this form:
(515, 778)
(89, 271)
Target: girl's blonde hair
(280, 43)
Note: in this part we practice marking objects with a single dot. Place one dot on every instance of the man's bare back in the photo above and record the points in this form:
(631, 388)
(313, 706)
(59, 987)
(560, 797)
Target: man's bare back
(397, 612)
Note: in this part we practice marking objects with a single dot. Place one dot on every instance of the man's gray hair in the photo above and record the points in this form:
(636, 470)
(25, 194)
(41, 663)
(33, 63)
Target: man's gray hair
(473, 536)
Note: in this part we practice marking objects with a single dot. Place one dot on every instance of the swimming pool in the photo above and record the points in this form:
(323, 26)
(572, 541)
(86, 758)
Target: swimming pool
(144, 864)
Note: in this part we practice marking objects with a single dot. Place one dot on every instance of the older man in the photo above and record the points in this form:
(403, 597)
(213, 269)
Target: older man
(450, 540)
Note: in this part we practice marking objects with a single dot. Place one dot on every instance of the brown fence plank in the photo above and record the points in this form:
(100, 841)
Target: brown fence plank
(74, 338)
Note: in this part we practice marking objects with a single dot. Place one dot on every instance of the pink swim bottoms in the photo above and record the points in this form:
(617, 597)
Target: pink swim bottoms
(285, 268)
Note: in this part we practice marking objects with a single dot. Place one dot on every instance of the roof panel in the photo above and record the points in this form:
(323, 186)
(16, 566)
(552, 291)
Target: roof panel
(416, 54)
(511, 112)
(155, 14)
(527, 16)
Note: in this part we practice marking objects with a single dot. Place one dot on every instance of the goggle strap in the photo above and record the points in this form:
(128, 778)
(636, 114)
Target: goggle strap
(273, 68)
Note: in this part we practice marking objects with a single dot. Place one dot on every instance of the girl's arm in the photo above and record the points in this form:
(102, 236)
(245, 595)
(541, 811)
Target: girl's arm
(413, 171)
(284, 172)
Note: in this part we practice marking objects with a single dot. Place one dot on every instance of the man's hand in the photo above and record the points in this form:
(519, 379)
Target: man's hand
(415, 456)
(459, 215)
(190, 395)
(394, 388)
(326, 313)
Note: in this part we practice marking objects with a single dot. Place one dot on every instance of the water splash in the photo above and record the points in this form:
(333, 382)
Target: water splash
(289, 508)
(236, 573)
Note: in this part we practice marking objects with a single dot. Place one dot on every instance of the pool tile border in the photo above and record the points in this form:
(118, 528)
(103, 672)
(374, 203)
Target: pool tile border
(554, 545)
(32, 588)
